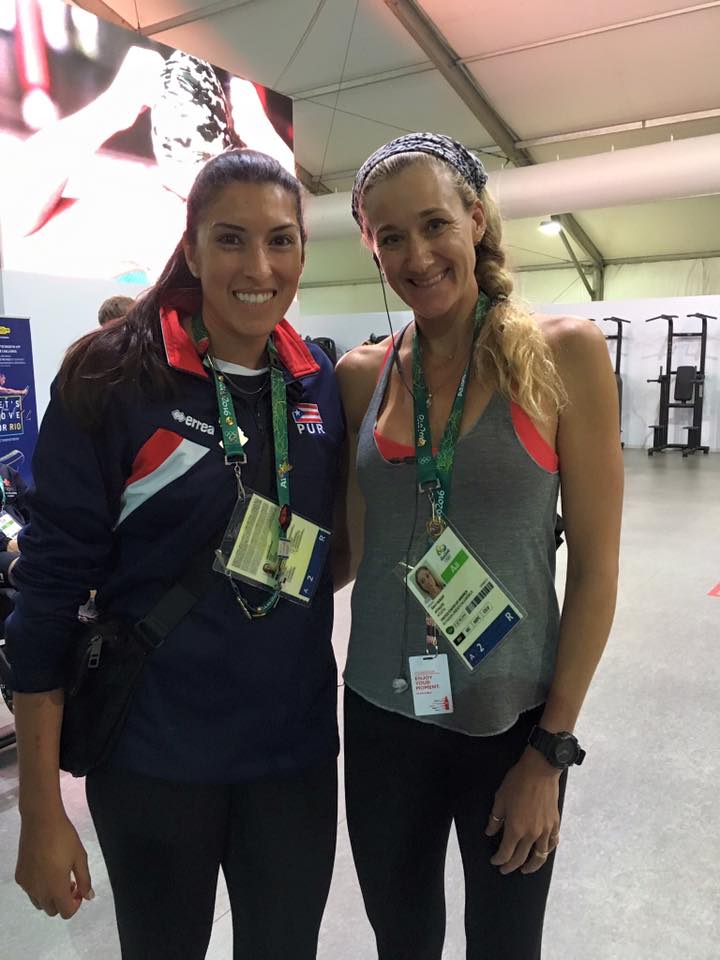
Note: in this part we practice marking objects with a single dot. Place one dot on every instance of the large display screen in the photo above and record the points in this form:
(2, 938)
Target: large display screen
(101, 136)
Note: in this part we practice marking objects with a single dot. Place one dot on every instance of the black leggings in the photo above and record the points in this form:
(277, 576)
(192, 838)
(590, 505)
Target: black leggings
(164, 843)
(406, 782)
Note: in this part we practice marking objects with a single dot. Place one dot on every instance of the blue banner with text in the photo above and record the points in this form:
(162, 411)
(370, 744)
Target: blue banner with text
(18, 412)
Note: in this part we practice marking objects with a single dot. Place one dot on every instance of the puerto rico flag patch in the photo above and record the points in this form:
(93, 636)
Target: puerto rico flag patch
(307, 418)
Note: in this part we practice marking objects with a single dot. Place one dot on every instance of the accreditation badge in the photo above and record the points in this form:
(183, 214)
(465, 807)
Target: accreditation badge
(467, 603)
(9, 525)
(249, 549)
(430, 683)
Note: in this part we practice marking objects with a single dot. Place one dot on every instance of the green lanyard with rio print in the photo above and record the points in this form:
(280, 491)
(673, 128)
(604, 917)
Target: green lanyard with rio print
(234, 448)
(434, 473)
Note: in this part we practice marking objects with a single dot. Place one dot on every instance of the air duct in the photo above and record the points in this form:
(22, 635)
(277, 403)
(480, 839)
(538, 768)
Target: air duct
(661, 171)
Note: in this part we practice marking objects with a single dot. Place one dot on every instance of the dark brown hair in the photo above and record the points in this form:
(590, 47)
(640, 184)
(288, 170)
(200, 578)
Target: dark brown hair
(131, 352)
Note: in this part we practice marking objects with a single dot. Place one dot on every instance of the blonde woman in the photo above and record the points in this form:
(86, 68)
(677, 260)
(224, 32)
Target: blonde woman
(468, 427)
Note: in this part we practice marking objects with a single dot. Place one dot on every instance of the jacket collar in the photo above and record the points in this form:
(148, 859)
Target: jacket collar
(182, 354)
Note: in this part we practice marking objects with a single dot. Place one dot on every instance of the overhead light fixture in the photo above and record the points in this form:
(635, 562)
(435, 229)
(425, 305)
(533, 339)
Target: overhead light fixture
(551, 227)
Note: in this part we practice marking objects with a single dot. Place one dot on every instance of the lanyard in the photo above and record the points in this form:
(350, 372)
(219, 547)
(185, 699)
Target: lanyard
(234, 446)
(434, 473)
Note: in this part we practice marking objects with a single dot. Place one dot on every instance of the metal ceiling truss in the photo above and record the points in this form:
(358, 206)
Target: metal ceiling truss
(449, 64)
(311, 183)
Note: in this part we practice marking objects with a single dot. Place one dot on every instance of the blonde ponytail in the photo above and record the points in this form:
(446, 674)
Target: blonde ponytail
(511, 347)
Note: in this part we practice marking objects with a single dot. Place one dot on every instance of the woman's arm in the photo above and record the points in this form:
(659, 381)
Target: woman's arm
(66, 548)
(591, 471)
(52, 865)
(356, 373)
(591, 474)
(349, 519)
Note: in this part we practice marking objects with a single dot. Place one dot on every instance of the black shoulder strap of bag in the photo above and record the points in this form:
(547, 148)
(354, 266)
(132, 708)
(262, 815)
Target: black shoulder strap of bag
(182, 596)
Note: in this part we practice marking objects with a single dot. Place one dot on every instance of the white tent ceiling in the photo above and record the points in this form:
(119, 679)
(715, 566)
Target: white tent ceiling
(551, 70)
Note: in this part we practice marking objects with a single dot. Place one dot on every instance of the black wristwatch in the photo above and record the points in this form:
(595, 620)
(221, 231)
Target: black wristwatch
(561, 750)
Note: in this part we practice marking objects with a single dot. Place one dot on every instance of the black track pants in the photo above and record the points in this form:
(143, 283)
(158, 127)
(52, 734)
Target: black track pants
(406, 782)
(164, 843)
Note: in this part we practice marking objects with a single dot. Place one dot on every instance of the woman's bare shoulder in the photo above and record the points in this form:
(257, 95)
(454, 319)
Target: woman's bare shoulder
(563, 328)
(357, 373)
(578, 347)
(568, 335)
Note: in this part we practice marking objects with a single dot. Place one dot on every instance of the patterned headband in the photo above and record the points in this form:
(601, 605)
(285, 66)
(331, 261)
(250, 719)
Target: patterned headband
(434, 144)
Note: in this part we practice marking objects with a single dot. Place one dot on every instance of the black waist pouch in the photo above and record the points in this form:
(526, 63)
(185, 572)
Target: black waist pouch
(106, 661)
(108, 656)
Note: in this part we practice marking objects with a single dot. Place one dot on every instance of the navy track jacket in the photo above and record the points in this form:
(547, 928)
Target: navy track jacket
(124, 510)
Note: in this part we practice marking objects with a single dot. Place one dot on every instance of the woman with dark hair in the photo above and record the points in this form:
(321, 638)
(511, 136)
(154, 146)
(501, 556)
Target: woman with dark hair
(160, 427)
(463, 431)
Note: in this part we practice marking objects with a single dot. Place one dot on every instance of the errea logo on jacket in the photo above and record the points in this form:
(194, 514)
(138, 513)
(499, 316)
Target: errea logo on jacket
(192, 422)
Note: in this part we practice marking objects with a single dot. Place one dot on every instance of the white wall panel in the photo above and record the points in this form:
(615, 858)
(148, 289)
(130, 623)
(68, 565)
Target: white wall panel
(60, 311)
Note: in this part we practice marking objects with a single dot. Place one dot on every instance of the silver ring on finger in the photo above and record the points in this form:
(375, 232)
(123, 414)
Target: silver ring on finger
(541, 854)
(497, 819)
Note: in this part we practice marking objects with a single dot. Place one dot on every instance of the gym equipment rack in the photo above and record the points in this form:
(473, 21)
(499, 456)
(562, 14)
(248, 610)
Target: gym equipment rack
(689, 389)
(617, 338)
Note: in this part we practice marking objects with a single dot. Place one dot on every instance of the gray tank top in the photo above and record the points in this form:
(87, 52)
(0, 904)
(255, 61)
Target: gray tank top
(504, 505)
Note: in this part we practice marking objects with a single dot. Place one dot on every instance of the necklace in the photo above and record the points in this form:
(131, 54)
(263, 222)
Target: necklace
(246, 393)
(452, 380)
(447, 358)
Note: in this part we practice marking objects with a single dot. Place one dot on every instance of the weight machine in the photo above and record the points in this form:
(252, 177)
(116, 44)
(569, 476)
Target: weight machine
(689, 389)
(617, 338)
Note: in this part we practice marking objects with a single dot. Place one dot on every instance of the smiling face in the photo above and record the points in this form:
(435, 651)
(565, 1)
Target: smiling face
(248, 255)
(425, 240)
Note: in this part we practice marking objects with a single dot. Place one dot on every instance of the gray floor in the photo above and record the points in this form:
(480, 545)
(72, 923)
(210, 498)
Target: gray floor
(637, 876)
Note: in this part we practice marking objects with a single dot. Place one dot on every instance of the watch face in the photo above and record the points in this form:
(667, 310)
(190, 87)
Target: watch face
(565, 752)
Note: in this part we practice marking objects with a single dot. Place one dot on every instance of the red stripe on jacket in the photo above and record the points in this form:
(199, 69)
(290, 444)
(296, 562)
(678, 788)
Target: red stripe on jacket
(153, 453)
